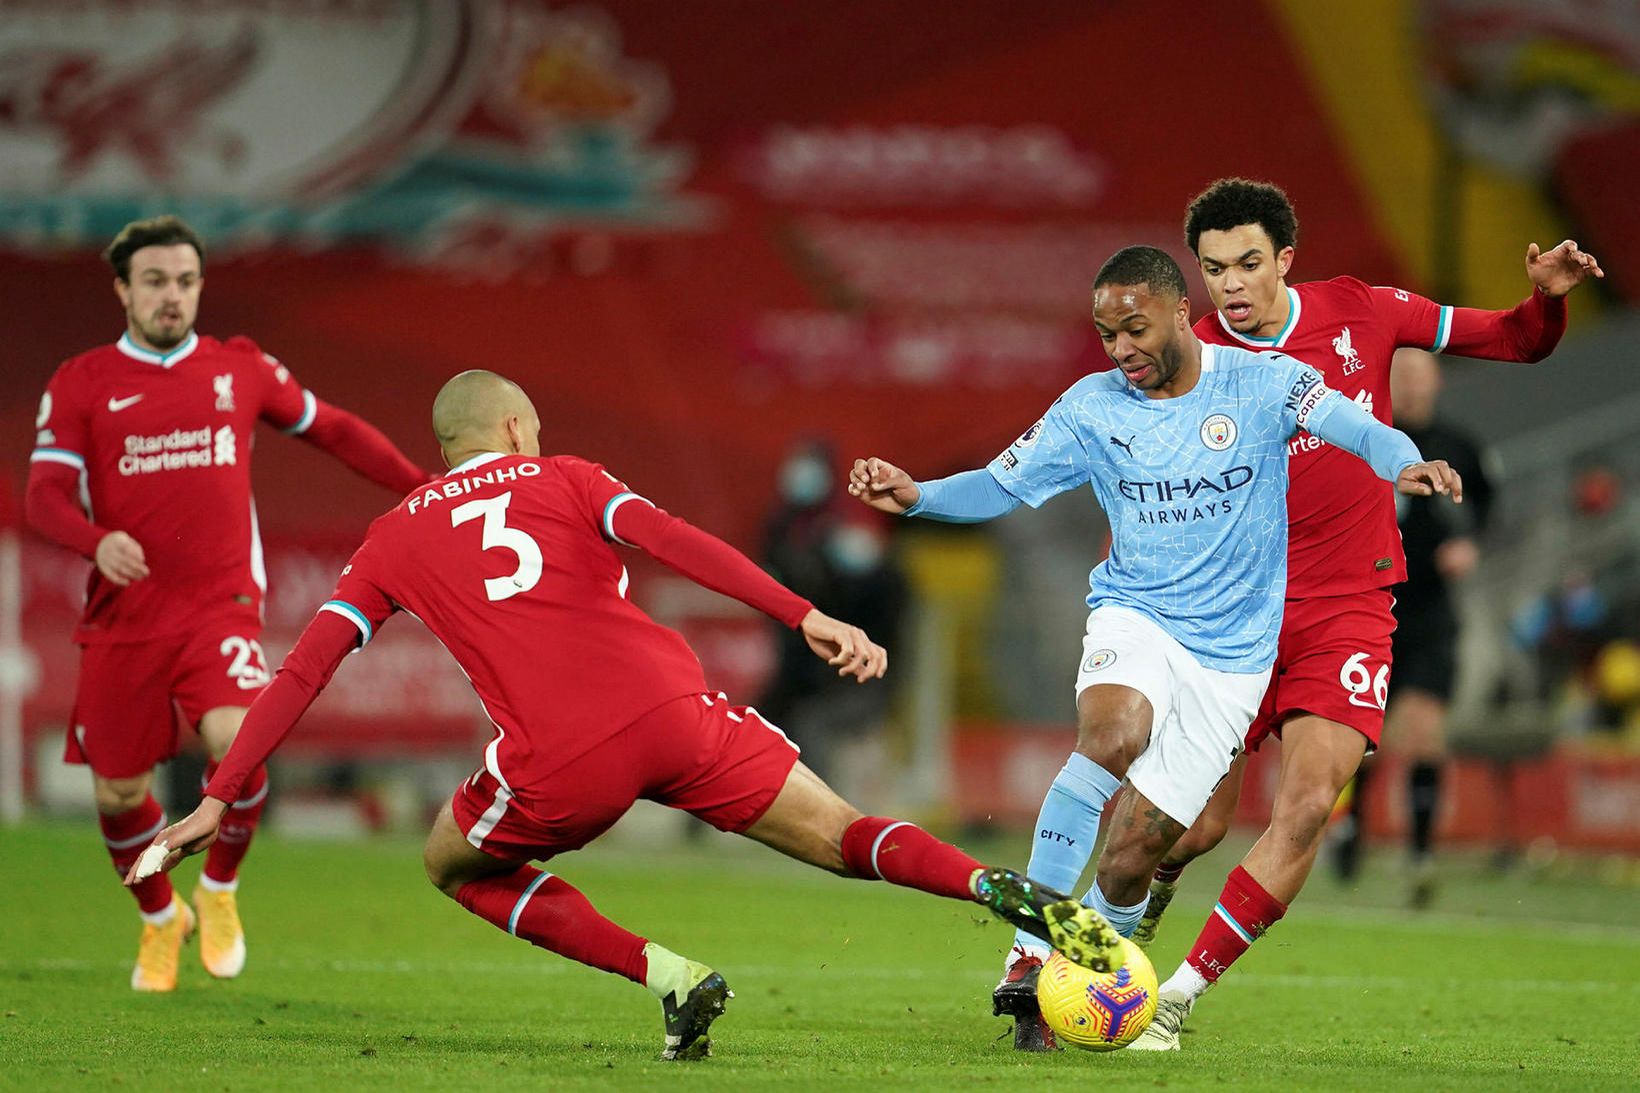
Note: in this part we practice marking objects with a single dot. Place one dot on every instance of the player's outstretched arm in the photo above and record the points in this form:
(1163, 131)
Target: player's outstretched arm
(703, 558)
(364, 448)
(968, 497)
(844, 647)
(1527, 332)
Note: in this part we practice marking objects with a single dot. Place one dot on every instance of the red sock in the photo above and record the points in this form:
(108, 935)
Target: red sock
(238, 825)
(1244, 911)
(127, 836)
(877, 848)
(544, 910)
(1169, 874)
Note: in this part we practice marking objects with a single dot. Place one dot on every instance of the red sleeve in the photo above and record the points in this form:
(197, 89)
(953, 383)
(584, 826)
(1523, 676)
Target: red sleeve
(364, 448)
(52, 502)
(625, 517)
(1527, 332)
(296, 411)
(323, 645)
(345, 622)
(52, 505)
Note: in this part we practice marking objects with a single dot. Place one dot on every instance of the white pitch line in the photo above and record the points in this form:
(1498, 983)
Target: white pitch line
(1392, 982)
(1438, 922)
(550, 967)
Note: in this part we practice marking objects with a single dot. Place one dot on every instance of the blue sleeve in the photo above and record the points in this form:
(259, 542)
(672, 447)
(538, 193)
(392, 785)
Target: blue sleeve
(1343, 424)
(1309, 404)
(965, 498)
(1046, 460)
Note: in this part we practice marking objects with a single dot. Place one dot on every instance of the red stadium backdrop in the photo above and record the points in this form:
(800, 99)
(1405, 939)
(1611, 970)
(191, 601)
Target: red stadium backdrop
(881, 230)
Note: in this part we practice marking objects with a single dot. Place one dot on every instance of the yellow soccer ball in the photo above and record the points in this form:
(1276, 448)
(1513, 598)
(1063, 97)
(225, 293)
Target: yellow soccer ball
(1098, 1011)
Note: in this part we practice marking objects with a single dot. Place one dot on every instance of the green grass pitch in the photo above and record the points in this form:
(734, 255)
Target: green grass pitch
(361, 976)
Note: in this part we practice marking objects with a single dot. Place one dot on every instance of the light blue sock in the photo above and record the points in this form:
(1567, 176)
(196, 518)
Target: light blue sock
(1122, 919)
(1067, 828)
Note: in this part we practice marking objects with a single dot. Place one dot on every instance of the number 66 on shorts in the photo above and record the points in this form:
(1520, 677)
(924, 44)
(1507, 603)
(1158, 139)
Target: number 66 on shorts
(1364, 689)
(1333, 661)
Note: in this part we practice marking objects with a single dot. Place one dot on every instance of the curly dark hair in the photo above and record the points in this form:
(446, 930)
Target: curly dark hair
(156, 231)
(1232, 202)
(1142, 266)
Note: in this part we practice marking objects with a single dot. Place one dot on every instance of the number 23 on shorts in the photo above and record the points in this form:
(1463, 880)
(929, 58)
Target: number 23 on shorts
(248, 668)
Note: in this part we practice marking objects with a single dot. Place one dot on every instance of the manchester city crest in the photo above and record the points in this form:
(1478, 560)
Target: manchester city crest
(1219, 432)
(1101, 658)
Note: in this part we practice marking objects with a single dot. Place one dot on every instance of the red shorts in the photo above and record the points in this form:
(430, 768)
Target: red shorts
(1332, 660)
(130, 693)
(722, 763)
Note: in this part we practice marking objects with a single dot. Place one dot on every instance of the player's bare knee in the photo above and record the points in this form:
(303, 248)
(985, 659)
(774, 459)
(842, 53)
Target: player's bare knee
(1114, 746)
(218, 727)
(1112, 726)
(440, 872)
(114, 796)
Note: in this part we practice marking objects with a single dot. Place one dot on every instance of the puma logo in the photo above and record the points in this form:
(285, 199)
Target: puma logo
(115, 405)
(1126, 445)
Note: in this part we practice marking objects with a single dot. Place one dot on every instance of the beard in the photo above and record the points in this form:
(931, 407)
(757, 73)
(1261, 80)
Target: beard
(1167, 363)
(164, 337)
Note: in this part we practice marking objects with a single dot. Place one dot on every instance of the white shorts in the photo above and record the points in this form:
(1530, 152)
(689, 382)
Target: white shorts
(1201, 716)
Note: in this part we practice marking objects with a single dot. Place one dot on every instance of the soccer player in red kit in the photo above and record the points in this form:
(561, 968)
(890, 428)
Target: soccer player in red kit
(142, 464)
(1326, 696)
(510, 561)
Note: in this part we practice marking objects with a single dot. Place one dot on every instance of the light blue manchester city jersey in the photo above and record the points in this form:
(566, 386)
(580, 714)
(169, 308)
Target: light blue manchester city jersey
(1195, 489)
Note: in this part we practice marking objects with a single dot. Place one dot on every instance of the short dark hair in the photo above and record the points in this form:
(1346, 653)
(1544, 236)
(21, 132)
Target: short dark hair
(156, 231)
(1231, 202)
(1142, 266)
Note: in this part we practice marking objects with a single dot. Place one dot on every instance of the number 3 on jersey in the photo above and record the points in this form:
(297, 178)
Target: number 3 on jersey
(1366, 690)
(498, 534)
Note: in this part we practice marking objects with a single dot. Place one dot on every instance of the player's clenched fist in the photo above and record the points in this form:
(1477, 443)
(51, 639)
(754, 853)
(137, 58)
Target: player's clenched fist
(882, 485)
(1435, 476)
(120, 558)
(843, 646)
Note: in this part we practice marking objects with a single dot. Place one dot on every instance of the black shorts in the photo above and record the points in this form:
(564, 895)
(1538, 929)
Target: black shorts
(1425, 648)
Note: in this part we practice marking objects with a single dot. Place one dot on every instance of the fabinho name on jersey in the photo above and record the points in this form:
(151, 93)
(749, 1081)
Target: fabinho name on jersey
(453, 488)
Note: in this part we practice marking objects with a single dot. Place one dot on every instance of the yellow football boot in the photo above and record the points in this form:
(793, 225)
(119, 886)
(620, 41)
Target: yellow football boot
(160, 949)
(221, 937)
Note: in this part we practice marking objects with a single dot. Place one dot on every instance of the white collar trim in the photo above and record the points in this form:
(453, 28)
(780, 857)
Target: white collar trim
(476, 461)
(148, 356)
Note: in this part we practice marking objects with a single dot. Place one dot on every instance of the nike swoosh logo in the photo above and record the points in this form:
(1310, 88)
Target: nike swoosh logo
(115, 405)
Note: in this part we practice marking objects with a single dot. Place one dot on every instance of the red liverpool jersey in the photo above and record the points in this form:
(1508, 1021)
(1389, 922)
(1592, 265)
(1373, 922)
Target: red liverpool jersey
(163, 445)
(1342, 534)
(558, 669)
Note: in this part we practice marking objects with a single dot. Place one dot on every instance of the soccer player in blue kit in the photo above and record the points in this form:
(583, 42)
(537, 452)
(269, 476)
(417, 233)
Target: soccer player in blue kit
(1185, 446)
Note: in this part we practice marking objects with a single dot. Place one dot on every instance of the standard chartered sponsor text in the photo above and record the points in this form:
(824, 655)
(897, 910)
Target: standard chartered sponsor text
(177, 450)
